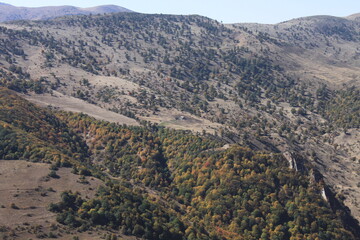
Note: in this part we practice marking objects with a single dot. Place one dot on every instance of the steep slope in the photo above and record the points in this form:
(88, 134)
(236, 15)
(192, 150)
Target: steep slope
(161, 184)
(250, 84)
(12, 13)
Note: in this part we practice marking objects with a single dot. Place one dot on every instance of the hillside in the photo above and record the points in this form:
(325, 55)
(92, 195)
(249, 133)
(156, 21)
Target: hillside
(152, 182)
(321, 49)
(287, 88)
(13, 13)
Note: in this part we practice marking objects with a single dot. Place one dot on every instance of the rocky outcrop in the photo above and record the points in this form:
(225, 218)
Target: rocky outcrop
(296, 161)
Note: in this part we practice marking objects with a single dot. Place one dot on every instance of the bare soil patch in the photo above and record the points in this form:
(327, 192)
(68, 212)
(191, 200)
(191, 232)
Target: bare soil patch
(182, 121)
(26, 191)
(72, 104)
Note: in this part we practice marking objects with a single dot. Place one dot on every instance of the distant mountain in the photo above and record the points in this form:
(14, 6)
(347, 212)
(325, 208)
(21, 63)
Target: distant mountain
(11, 13)
(354, 17)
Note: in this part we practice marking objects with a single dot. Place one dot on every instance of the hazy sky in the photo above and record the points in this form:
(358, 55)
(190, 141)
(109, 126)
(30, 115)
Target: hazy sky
(228, 11)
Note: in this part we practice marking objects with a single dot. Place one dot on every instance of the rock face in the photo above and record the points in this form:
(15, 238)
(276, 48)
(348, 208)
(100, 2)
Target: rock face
(292, 162)
(12, 13)
(296, 162)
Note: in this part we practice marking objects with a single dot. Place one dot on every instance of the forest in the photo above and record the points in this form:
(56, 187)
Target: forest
(167, 184)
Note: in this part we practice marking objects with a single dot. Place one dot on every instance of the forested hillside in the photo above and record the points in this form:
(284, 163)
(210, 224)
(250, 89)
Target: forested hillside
(219, 107)
(167, 184)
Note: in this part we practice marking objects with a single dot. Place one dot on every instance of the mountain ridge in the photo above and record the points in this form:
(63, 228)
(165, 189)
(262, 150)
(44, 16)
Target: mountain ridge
(12, 13)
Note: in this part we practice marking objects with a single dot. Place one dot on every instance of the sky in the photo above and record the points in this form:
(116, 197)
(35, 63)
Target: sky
(226, 11)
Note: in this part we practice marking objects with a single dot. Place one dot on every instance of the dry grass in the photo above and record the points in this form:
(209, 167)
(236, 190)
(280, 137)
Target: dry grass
(72, 104)
(26, 192)
(175, 119)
